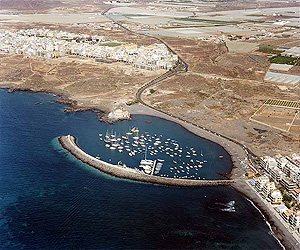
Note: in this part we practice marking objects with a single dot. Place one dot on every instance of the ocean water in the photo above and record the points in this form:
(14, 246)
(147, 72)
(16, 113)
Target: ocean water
(49, 200)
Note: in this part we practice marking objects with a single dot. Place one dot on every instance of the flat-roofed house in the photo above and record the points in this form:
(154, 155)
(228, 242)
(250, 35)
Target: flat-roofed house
(276, 197)
(268, 187)
(295, 219)
(261, 181)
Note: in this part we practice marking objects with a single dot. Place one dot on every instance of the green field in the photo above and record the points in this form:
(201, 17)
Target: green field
(284, 60)
(111, 44)
(269, 49)
(219, 22)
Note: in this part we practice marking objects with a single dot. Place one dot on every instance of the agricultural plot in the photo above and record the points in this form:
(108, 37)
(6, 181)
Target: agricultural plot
(295, 128)
(283, 103)
(280, 114)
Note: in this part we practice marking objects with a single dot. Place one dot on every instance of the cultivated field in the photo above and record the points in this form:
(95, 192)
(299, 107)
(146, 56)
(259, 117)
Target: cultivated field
(279, 114)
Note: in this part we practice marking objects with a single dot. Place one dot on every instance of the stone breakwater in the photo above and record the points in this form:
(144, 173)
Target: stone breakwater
(69, 143)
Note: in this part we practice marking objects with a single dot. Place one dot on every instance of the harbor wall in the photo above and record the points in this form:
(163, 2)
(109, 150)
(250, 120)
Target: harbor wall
(69, 143)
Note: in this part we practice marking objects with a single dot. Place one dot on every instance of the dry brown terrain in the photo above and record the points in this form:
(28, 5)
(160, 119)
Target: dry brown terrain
(285, 119)
(92, 85)
(211, 58)
(222, 91)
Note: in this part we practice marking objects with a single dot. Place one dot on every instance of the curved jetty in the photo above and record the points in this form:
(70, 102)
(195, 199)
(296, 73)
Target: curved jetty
(69, 143)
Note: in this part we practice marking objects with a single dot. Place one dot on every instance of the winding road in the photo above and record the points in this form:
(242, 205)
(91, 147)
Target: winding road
(182, 66)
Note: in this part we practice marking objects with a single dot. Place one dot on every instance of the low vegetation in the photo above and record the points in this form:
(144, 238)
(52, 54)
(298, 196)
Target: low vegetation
(269, 49)
(111, 44)
(208, 21)
(285, 60)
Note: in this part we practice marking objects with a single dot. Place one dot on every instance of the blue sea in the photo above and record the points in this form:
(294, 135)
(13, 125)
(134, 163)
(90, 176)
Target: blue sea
(50, 200)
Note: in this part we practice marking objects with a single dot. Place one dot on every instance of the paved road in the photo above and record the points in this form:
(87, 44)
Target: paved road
(182, 66)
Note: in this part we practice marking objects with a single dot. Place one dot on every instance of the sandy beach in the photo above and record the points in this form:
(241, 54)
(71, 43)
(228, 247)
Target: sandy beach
(281, 232)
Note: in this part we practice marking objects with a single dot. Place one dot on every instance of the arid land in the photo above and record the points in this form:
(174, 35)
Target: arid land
(220, 91)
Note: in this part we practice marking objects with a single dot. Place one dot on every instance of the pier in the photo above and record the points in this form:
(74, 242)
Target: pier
(69, 143)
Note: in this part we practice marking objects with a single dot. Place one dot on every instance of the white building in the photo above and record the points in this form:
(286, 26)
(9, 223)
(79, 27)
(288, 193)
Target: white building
(261, 181)
(276, 173)
(275, 196)
(268, 187)
(295, 219)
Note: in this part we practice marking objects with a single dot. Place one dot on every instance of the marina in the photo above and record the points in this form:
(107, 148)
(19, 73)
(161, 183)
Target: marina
(185, 161)
(45, 188)
(124, 172)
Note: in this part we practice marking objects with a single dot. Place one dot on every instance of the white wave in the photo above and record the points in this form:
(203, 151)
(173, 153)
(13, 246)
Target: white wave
(268, 224)
(231, 209)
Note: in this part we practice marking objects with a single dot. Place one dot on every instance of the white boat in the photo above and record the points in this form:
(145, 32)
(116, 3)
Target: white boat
(147, 171)
(107, 145)
(112, 148)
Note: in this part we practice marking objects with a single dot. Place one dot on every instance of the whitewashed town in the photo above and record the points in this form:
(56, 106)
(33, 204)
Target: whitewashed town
(278, 183)
(53, 44)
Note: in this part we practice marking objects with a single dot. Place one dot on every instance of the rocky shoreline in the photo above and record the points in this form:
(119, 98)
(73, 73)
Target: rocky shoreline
(235, 151)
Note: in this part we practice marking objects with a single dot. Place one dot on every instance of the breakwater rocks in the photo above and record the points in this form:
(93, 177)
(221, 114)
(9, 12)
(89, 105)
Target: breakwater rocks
(69, 143)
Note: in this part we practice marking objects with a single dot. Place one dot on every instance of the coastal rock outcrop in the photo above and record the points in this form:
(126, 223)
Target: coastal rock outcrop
(117, 115)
